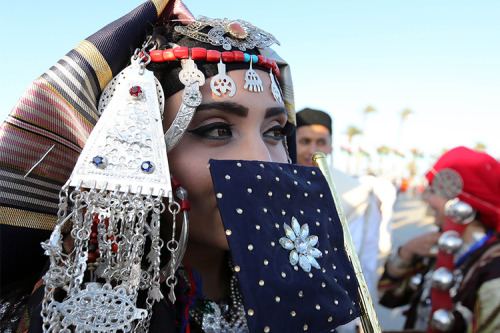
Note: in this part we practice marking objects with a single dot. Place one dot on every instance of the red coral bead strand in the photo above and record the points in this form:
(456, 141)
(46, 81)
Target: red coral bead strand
(202, 54)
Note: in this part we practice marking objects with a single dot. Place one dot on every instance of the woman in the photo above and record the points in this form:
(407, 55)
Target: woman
(251, 250)
(451, 277)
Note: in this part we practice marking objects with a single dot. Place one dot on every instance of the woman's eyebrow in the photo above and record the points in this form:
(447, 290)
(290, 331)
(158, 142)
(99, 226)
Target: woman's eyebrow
(228, 107)
(275, 111)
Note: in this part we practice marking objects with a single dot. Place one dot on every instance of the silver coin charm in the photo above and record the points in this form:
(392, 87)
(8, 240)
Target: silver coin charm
(222, 83)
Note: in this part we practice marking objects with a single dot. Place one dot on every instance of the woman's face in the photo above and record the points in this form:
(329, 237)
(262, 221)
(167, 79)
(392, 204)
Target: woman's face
(247, 126)
(437, 204)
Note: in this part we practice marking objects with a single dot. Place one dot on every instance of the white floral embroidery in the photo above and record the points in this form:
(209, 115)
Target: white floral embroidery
(301, 245)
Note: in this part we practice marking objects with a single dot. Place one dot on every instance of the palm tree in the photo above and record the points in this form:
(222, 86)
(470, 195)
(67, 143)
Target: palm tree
(369, 109)
(366, 111)
(405, 114)
(480, 147)
(351, 132)
(382, 151)
(413, 164)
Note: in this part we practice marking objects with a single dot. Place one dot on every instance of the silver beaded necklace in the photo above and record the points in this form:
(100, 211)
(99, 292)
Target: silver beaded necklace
(228, 316)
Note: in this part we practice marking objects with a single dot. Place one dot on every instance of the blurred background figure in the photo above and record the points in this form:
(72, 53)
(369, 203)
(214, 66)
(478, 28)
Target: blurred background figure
(386, 193)
(450, 278)
(359, 202)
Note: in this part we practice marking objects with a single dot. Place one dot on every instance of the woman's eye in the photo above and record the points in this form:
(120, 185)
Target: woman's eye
(276, 133)
(214, 131)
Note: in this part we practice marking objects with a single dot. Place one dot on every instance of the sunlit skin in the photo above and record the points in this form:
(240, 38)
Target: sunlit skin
(436, 203)
(247, 126)
(422, 245)
(312, 139)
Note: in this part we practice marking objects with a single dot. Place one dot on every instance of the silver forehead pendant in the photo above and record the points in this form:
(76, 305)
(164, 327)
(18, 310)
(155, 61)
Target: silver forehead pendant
(275, 90)
(222, 83)
(252, 80)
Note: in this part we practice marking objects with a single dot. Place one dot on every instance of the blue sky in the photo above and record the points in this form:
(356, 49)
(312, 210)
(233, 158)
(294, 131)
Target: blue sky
(438, 58)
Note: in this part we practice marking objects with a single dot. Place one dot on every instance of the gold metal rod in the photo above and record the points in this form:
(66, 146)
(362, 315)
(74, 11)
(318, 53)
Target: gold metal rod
(369, 318)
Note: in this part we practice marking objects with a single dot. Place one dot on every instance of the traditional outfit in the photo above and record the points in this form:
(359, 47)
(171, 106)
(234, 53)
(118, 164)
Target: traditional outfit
(386, 193)
(361, 208)
(102, 189)
(459, 291)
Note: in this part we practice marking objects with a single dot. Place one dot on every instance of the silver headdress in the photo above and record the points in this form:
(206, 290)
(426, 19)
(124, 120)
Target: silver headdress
(232, 34)
(228, 34)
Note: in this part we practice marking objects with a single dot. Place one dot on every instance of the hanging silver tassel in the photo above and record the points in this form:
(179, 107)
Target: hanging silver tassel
(112, 204)
(253, 82)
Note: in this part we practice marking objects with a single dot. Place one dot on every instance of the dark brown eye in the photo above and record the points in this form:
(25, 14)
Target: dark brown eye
(223, 132)
(213, 131)
(275, 133)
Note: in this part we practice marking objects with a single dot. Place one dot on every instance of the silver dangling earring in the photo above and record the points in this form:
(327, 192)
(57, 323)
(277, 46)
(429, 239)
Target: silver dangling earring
(173, 247)
(176, 248)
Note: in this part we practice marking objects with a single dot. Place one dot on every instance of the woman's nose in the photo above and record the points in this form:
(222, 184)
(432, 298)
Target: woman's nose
(254, 149)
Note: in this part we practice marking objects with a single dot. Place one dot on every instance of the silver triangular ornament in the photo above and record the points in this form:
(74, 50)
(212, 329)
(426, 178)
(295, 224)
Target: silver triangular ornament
(126, 149)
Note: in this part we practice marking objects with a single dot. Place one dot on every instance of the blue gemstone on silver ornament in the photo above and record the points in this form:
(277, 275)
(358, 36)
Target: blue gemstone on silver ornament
(147, 167)
(100, 162)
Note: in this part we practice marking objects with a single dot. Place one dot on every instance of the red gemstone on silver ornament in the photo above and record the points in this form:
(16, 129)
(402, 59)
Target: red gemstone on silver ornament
(136, 92)
(236, 30)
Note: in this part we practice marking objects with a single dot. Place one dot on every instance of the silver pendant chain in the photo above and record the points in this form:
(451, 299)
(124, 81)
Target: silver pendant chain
(108, 305)
(227, 316)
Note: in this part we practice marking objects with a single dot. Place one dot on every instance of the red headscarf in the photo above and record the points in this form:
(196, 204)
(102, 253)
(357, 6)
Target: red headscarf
(480, 186)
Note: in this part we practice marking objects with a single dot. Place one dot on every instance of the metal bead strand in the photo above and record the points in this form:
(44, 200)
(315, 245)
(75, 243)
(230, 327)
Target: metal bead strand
(154, 293)
(172, 246)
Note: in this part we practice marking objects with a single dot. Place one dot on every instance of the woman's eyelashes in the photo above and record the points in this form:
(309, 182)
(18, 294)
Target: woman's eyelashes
(213, 131)
(275, 133)
(224, 131)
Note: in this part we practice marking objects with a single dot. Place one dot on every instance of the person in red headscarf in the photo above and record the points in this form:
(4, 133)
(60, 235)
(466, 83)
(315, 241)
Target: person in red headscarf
(451, 278)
